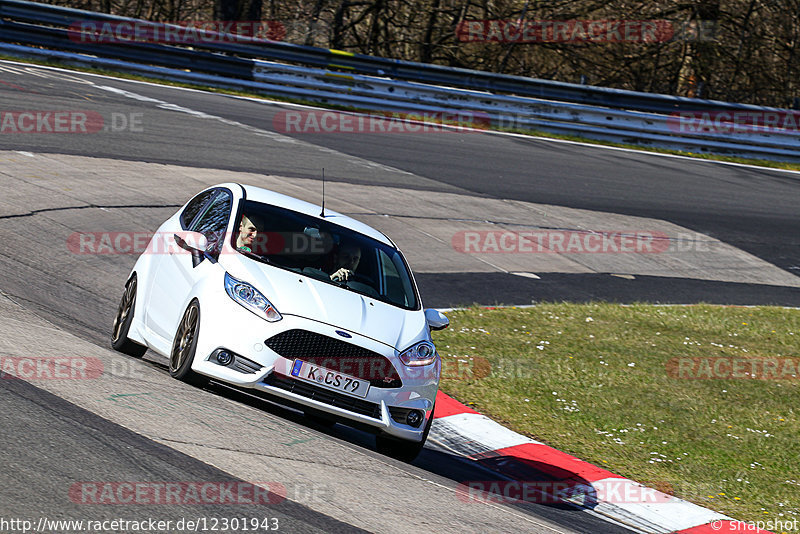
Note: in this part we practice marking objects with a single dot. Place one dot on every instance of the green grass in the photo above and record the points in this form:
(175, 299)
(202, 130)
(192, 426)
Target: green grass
(592, 380)
(537, 133)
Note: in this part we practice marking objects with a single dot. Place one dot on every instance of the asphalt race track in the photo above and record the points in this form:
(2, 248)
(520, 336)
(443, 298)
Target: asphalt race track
(134, 423)
(752, 209)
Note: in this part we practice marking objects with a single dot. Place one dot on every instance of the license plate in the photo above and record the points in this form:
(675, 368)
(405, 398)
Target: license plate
(327, 378)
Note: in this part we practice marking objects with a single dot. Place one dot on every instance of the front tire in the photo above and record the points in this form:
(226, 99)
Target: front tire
(185, 346)
(403, 449)
(122, 323)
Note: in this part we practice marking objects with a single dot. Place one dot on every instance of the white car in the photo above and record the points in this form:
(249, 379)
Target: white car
(260, 290)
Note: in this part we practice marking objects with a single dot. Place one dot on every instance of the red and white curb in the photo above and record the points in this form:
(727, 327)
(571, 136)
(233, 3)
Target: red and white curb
(518, 458)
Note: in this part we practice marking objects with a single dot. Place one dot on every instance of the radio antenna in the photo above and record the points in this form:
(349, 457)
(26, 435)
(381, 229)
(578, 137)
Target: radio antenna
(322, 213)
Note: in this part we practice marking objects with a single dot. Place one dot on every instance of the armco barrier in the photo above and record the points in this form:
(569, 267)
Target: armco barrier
(37, 13)
(597, 113)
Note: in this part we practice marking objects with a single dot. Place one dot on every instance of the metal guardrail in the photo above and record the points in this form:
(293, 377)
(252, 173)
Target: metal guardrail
(598, 113)
(396, 69)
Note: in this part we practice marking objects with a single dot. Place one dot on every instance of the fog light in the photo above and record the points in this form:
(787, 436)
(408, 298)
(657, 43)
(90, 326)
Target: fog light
(224, 357)
(414, 418)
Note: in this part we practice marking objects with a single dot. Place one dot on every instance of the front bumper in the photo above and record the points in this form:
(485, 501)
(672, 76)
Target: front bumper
(226, 325)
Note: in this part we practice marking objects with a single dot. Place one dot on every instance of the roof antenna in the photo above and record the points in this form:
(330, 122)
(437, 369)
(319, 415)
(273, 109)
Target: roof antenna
(322, 213)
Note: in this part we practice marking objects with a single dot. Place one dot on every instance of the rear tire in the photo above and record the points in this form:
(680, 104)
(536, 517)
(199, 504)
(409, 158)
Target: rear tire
(403, 449)
(185, 346)
(122, 323)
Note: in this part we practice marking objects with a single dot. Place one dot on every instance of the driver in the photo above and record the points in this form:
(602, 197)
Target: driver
(248, 229)
(345, 262)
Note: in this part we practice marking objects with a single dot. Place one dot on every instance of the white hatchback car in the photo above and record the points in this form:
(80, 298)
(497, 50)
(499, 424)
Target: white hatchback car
(259, 290)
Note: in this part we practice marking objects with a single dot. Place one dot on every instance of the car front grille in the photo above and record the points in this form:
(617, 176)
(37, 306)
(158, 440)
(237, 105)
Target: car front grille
(326, 396)
(336, 355)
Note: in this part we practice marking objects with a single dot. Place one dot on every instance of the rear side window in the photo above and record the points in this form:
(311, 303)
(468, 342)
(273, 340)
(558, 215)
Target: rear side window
(194, 207)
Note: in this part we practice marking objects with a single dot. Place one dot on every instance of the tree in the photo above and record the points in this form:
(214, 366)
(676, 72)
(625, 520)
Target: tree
(237, 10)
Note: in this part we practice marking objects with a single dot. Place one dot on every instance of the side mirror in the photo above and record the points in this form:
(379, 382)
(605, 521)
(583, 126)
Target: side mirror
(195, 243)
(436, 319)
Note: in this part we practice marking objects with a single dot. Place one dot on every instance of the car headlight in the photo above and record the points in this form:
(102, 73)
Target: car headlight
(251, 298)
(423, 353)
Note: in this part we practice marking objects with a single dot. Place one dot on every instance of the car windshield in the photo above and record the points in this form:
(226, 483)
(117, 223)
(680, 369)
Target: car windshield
(324, 251)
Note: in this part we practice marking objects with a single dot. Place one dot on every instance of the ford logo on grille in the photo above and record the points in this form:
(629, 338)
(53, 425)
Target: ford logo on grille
(343, 334)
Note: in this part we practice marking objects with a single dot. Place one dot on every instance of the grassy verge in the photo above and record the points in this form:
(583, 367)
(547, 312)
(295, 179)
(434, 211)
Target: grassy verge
(598, 381)
(537, 133)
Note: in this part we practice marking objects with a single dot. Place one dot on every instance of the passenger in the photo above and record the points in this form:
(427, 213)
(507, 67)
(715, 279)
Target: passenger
(248, 229)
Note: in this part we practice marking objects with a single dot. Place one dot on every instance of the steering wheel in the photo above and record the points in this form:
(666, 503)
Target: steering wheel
(360, 278)
(362, 284)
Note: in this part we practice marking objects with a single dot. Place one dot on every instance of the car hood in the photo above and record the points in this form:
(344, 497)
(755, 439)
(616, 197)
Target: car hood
(295, 294)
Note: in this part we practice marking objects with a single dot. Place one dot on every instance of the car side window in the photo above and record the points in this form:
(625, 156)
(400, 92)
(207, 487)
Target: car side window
(214, 221)
(397, 285)
(194, 207)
